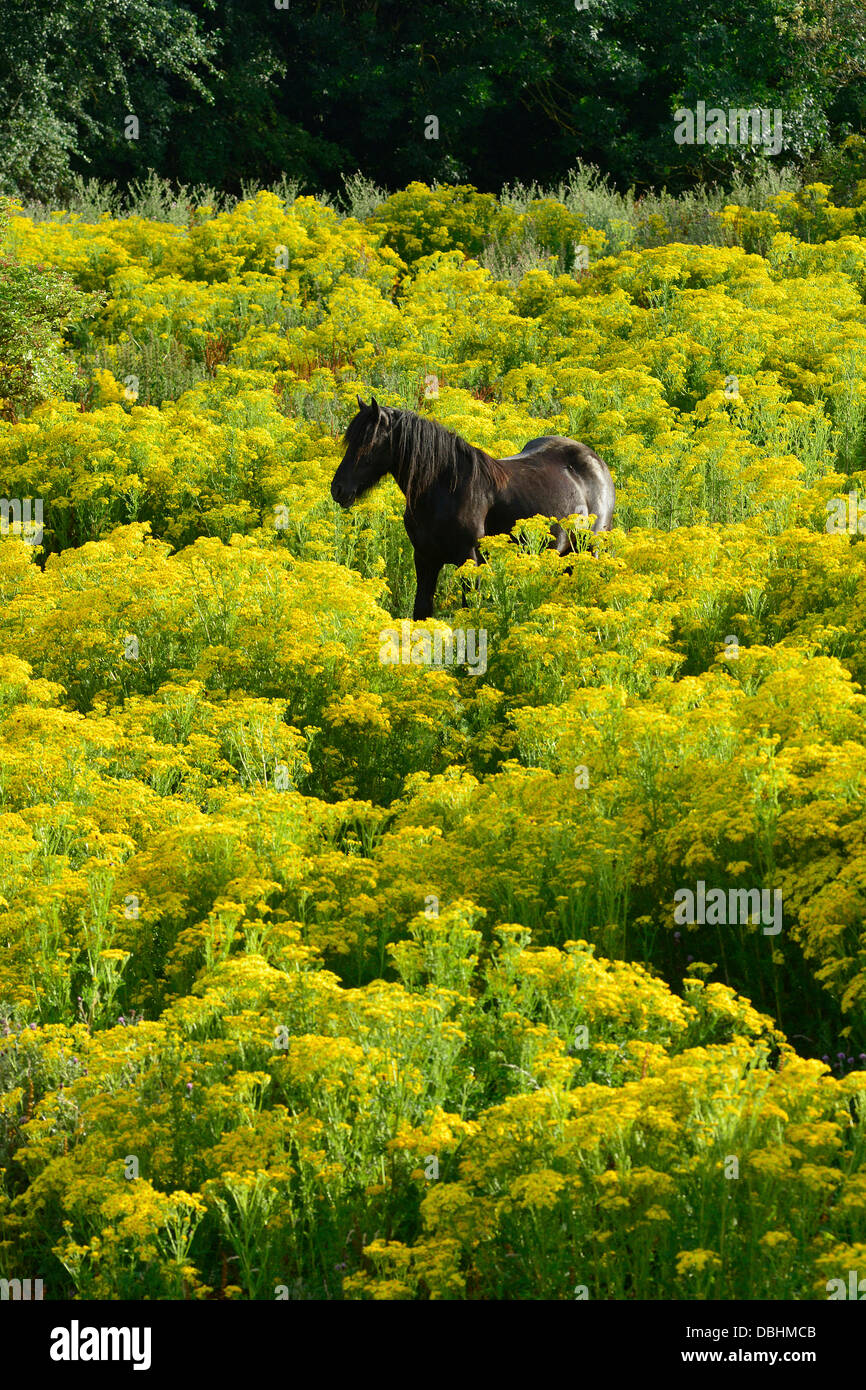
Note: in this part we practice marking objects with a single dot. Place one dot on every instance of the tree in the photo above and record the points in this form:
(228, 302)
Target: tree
(71, 72)
(520, 89)
(479, 91)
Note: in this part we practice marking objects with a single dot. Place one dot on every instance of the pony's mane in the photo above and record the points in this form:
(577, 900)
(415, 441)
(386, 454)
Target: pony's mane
(425, 452)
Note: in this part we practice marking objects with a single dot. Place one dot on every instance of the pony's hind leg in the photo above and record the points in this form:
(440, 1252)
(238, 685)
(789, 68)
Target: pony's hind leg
(561, 541)
(566, 544)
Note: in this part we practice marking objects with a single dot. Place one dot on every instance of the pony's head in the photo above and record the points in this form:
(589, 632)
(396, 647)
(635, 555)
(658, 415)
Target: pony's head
(368, 453)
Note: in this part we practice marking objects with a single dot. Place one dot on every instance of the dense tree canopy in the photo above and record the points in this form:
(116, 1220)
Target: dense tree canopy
(249, 91)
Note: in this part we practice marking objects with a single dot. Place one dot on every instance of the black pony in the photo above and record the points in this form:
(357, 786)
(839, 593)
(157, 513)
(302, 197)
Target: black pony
(455, 494)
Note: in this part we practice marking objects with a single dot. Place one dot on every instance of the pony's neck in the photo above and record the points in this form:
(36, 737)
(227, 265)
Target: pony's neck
(400, 473)
(418, 463)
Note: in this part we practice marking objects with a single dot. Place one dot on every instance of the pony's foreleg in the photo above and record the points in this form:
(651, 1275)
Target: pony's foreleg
(426, 575)
(474, 554)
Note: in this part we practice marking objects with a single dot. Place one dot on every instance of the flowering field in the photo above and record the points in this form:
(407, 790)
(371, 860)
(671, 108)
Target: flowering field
(325, 976)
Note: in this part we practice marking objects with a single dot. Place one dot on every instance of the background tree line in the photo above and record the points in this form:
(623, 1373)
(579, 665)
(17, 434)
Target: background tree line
(522, 89)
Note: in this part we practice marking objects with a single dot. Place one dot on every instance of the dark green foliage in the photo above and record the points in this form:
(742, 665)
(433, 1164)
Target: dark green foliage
(243, 91)
(36, 305)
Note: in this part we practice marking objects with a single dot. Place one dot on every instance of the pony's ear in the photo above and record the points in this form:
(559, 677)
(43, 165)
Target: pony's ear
(375, 406)
(361, 405)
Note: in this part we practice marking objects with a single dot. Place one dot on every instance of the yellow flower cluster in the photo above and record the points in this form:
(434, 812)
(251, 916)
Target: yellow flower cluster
(328, 977)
